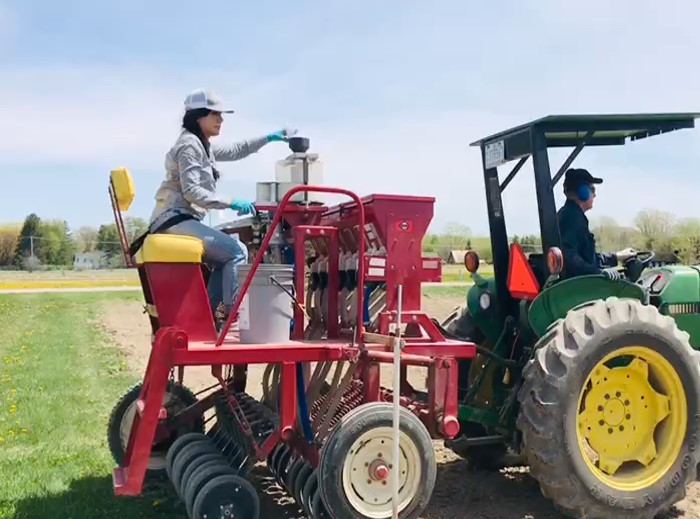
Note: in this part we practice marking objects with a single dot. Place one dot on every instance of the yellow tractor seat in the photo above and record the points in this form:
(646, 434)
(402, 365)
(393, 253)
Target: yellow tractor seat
(170, 248)
(156, 248)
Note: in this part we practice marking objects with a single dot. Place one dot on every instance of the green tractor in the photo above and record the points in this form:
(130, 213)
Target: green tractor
(593, 383)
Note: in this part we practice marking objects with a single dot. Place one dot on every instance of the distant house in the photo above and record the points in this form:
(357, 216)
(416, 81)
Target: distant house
(456, 257)
(89, 260)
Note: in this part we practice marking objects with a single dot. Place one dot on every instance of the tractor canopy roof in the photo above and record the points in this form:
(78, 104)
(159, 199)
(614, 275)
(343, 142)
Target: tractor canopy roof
(532, 140)
(594, 129)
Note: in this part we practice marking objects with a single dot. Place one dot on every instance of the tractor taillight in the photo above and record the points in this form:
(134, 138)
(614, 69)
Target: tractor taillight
(471, 261)
(555, 260)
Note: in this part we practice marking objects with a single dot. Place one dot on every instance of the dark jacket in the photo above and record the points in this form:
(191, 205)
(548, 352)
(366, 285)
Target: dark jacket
(578, 243)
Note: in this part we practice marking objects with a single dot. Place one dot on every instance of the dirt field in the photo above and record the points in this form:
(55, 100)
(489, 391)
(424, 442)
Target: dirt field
(459, 491)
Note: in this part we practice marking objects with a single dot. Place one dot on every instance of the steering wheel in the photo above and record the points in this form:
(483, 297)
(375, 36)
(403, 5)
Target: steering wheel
(634, 266)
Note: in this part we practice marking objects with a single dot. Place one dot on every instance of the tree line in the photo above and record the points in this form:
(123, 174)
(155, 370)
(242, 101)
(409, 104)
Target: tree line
(670, 237)
(38, 243)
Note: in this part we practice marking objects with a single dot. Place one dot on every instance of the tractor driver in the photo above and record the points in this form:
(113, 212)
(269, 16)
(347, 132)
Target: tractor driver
(578, 243)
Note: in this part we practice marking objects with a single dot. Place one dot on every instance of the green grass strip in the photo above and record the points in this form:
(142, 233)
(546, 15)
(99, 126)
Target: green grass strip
(59, 379)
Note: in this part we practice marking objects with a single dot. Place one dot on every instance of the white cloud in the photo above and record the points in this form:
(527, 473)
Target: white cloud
(102, 117)
(92, 115)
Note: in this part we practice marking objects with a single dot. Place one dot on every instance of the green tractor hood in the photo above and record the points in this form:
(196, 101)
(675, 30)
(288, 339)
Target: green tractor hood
(555, 301)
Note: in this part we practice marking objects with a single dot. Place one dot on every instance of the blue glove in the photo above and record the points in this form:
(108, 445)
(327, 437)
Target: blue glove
(612, 274)
(281, 135)
(242, 206)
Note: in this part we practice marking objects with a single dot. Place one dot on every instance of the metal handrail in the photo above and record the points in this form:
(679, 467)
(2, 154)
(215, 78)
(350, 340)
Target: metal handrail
(268, 236)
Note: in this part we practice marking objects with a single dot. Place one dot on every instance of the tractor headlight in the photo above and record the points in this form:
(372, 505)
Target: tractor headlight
(485, 301)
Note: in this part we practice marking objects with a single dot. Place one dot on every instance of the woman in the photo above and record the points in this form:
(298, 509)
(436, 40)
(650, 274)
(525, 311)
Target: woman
(189, 190)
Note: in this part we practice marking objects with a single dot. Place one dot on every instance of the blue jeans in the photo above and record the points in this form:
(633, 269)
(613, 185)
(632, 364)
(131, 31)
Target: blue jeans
(222, 253)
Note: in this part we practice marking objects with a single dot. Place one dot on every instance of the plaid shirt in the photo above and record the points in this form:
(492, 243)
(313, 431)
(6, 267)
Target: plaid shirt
(189, 186)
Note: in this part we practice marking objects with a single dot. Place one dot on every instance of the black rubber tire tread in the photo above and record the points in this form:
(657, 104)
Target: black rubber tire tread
(272, 452)
(200, 477)
(303, 474)
(186, 456)
(289, 475)
(347, 416)
(350, 427)
(179, 444)
(131, 395)
(318, 508)
(274, 459)
(308, 491)
(193, 466)
(282, 462)
(549, 397)
(221, 486)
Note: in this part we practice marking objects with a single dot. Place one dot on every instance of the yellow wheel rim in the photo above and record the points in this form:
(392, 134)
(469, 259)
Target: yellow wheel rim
(632, 418)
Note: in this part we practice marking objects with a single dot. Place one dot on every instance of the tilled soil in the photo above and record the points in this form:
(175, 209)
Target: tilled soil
(460, 492)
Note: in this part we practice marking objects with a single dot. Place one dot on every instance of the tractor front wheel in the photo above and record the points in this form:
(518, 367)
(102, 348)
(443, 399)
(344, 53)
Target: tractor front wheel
(176, 398)
(609, 411)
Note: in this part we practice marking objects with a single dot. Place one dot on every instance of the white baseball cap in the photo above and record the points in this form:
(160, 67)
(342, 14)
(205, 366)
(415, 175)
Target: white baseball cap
(201, 98)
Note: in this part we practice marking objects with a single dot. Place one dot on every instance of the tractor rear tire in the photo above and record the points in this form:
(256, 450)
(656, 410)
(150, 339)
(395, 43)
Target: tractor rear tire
(641, 419)
(122, 416)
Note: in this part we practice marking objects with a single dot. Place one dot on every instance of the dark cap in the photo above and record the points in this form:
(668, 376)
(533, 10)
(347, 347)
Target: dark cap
(575, 177)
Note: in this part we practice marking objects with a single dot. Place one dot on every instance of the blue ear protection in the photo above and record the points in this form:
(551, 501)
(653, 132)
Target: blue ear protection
(583, 192)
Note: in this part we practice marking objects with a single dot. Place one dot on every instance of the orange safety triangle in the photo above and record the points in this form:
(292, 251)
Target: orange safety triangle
(522, 282)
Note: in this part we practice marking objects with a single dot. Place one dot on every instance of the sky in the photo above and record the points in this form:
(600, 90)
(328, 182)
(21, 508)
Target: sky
(391, 93)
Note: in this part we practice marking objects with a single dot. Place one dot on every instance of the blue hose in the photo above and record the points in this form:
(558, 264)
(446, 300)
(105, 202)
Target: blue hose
(288, 253)
(303, 408)
(365, 304)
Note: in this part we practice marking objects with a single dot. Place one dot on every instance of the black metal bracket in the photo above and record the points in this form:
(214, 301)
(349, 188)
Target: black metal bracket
(513, 172)
(572, 156)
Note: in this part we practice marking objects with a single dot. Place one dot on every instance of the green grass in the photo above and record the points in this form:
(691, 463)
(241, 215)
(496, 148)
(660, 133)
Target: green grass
(448, 291)
(22, 279)
(59, 378)
(457, 273)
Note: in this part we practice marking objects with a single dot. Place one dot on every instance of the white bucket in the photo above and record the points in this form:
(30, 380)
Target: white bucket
(266, 310)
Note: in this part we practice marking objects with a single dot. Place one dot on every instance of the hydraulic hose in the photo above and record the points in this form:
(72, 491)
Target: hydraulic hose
(365, 303)
(303, 407)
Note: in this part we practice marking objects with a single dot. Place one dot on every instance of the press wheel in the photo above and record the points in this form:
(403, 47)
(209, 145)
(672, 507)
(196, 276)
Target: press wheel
(200, 477)
(227, 496)
(356, 465)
